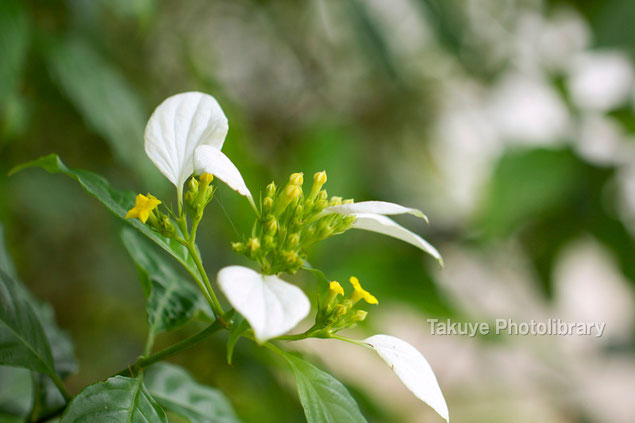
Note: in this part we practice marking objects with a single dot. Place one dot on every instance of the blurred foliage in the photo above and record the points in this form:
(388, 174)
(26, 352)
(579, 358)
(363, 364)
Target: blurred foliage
(306, 86)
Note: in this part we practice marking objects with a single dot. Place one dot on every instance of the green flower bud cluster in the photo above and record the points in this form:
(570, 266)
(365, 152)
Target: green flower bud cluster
(162, 223)
(199, 193)
(289, 222)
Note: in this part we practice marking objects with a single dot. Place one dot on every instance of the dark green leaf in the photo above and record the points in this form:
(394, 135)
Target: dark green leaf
(173, 300)
(176, 391)
(118, 202)
(14, 36)
(239, 327)
(324, 398)
(119, 399)
(23, 342)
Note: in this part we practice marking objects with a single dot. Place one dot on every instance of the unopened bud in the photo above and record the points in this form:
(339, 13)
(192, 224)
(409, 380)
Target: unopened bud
(298, 213)
(348, 201)
(359, 316)
(239, 247)
(271, 226)
(292, 192)
(320, 205)
(269, 242)
(267, 203)
(319, 179)
(323, 195)
(206, 178)
(335, 201)
(290, 257)
(296, 178)
(293, 240)
(253, 244)
(193, 185)
(271, 190)
(340, 310)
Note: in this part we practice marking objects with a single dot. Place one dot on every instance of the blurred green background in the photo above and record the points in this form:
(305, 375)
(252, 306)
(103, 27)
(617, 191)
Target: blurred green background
(510, 123)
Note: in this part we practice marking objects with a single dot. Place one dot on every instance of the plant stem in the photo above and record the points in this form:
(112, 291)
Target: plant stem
(143, 362)
(60, 386)
(216, 307)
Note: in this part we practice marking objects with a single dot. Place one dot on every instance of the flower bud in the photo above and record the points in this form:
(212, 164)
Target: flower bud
(267, 204)
(271, 190)
(271, 226)
(359, 316)
(335, 201)
(269, 242)
(340, 310)
(290, 257)
(293, 240)
(239, 247)
(319, 179)
(253, 245)
(292, 192)
(193, 185)
(348, 201)
(320, 205)
(296, 179)
(323, 195)
(206, 178)
(298, 213)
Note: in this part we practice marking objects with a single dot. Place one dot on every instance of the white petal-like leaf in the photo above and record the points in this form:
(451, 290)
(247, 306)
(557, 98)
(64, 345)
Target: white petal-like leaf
(211, 160)
(384, 225)
(413, 370)
(271, 306)
(179, 125)
(375, 207)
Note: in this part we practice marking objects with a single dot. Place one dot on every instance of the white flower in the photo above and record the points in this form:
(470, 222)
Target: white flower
(182, 125)
(270, 305)
(371, 216)
(413, 370)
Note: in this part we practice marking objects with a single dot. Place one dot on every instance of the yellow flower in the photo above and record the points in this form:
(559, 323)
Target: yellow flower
(360, 292)
(143, 207)
(336, 288)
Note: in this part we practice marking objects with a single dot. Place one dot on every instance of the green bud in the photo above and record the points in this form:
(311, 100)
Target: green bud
(323, 195)
(320, 205)
(239, 247)
(193, 185)
(335, 201)
(271, 226)
(271, 190)
(293, 240)
(359, 316)
(267, 204)
(269, 242)
(298, 213)
(253, 245)
(290, 257)
(340, 310)
(319, 179)
(348, 201)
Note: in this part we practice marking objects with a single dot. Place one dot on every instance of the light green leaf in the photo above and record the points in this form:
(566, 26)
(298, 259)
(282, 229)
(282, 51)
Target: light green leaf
(101, 95)
(118, 399)
(23, 342)
(176, 391)
(324, 398)
(173, 300)
(118, 202)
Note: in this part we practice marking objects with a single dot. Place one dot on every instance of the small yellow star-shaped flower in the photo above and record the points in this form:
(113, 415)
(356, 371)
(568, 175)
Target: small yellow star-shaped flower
(360, 292)
(143, 207)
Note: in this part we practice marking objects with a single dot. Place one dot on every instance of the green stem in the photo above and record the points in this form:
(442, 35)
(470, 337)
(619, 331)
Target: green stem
(36, 406)
(216, 307)
(60, 386)
(149, 342)
(143, 362)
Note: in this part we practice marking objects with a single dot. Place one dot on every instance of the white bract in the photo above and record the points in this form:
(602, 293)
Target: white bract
(271, 306)
(178, 128)
(370, 216)
(413, 370)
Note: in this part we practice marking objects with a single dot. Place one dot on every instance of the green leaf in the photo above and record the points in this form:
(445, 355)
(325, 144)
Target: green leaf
(118, 399)
(239, 327)
(173, 300)
(15, 391)
(49, 397)
(324, 398)
(14, 36)
(176, 391)
(23, 342)
(102, 96)
(118, 202)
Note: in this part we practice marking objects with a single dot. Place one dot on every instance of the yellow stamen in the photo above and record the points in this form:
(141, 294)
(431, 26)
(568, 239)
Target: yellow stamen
(360, 293)
(143, 207)
(336, 288)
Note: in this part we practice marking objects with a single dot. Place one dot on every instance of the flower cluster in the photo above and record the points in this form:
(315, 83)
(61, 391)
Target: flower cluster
(184, 138)
(290, 222)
